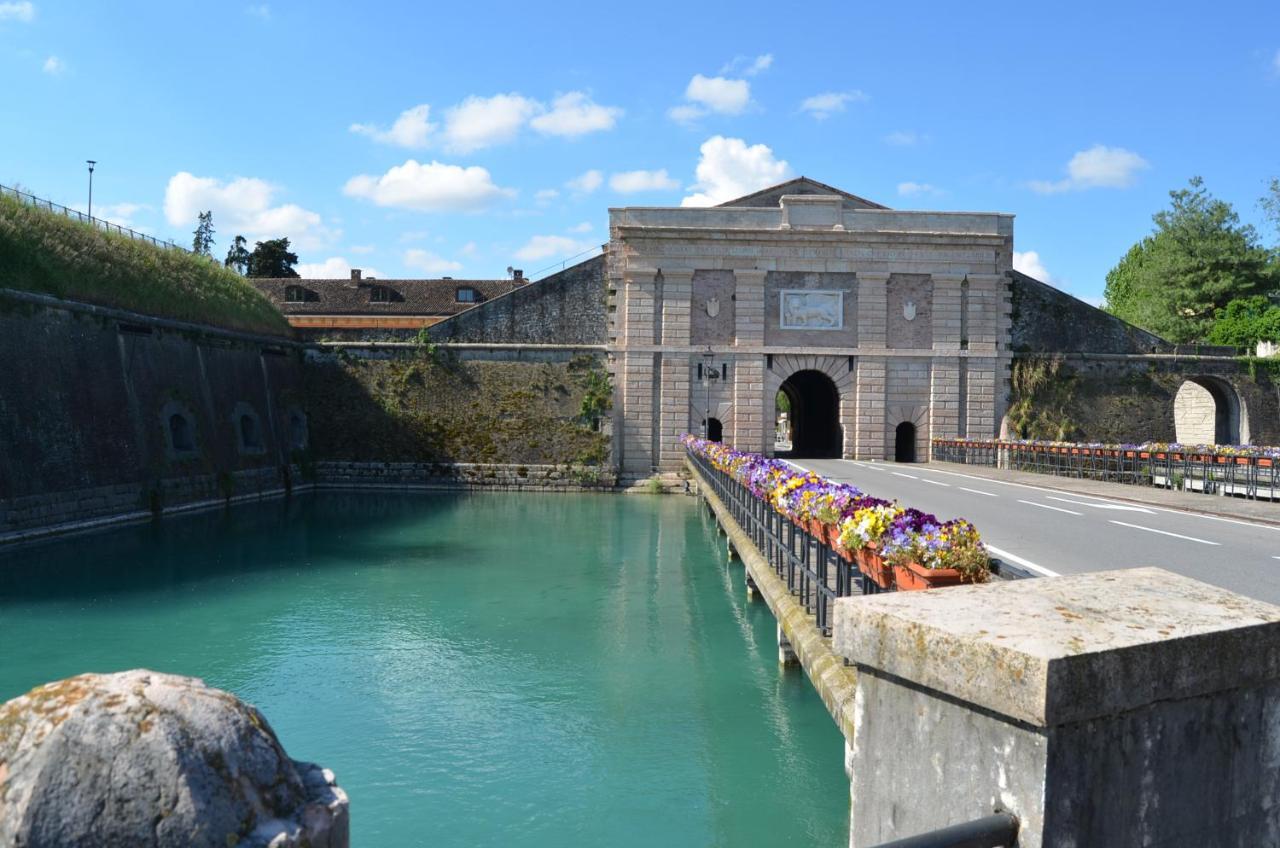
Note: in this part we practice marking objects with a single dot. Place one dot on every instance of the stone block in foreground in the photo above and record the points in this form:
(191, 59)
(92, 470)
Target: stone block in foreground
(146, 759)
(1130, 707)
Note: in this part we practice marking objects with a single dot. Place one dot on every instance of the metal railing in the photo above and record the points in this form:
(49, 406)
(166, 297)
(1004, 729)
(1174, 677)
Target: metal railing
(76, 215)
(812, 571)
(1254, 477)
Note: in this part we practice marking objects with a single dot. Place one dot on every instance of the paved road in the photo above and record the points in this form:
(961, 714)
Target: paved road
(1057, 532)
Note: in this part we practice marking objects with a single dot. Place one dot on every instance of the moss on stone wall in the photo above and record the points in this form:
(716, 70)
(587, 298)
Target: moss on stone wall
(427, 406)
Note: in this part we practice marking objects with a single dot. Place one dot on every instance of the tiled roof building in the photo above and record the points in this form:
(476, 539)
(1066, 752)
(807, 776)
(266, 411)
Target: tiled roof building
(362, 303)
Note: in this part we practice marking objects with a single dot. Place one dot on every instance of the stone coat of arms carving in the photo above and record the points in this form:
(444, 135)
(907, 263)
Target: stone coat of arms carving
(909, 310)
(713, 306)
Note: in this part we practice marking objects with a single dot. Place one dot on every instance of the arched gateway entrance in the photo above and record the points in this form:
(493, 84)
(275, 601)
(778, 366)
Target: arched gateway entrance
(904, 442)
(814, 415)
(1207, 410)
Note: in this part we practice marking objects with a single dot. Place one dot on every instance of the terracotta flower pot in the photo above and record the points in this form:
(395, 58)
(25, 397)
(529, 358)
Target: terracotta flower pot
(817, 529)
(871, 564)
(833, 536)
(913, 577)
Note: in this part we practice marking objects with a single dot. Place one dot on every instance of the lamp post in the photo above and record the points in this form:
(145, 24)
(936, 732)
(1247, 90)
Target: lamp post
(91, 162)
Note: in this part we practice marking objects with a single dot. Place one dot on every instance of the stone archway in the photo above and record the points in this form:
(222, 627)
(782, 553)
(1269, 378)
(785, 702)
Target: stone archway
(1208, 410)
(824, 386)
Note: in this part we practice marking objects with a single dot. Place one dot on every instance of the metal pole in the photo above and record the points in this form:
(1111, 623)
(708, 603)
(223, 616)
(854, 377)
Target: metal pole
(91, 162)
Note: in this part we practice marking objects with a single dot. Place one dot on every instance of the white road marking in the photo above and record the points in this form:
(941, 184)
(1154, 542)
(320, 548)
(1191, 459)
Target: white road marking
(935, 482)
(1054, 508)
(1273, 527)
(977, 492)
(1022, 562)
(1164, 532)
(1104, 505)
(908, 476)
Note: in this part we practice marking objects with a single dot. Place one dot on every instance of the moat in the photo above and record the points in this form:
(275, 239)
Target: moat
(477, 669)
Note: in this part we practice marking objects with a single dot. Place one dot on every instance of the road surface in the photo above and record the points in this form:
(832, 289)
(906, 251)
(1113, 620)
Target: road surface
(1052, 532)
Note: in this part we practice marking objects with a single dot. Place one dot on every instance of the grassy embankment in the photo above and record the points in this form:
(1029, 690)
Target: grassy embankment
(47, 253)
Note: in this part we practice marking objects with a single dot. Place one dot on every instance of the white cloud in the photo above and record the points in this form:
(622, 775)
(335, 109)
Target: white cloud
(361, 248)
(728, 168)
(428, 262)
(1097, 167)
(586, 182)
(468, 249)
(903, 138)
(726, 96)
(121, 213)
(544, 247)
(243, 207)
(749, 67)
(823, 106)
(414, 235)
(261, 11)
(53, 66)
(912, 189)
(584, 227)
(575, 114)
(630, 182)
(333, 268)
(432, 187)
(24, 12)
(1029, 263)
(412, 129)
(545, 195)
(479, 122)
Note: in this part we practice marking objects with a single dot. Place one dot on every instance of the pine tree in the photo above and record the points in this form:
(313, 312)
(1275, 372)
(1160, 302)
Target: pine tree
(202, 243)
(238, 256)
(272, 258)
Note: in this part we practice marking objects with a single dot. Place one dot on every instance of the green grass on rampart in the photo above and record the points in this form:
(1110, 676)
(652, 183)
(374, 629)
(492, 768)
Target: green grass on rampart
(47, 253)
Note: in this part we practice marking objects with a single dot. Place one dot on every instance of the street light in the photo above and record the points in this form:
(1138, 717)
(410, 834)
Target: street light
(91, 162)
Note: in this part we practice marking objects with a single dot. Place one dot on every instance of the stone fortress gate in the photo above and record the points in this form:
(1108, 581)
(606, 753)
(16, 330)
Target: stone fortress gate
(883, 328)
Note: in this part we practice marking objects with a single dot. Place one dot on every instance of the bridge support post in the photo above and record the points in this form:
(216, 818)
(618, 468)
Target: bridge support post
(1114, 708)
(730, 549)
(752, 589)
(786, 654)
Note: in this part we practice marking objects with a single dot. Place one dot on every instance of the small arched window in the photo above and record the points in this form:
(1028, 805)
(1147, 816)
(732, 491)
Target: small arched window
(250, 436)
(466, 294)
(295, 294)
(379, 294)
(180, 433)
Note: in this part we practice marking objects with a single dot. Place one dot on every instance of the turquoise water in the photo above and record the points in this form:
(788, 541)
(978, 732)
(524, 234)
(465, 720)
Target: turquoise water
(523, 670)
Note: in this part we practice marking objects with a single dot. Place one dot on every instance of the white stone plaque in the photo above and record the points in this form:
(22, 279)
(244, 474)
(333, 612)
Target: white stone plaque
(805, 309)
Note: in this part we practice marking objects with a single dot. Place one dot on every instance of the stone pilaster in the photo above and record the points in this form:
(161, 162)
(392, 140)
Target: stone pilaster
(947, 320)
(639, 298)
(986, 299)
(750, 406)
(981, 380)
(749, 307)
(636, 430)
(872, 308)
(944, 399)
(673, 417)
(677, 294)
(870, 438)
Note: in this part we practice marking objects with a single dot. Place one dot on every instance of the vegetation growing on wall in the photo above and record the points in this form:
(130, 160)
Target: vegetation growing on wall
(1040, 401)
(422, 407)
(47, 253)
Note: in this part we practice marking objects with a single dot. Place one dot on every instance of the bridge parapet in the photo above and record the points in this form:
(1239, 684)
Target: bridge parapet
(1115, 708)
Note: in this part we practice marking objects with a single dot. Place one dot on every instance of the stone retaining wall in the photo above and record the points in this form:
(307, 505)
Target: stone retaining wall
(425, 475)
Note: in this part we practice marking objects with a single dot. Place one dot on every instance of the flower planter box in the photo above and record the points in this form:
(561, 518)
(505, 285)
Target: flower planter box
(914, 577)
(833, 537)
(818, 530)
(871, 564)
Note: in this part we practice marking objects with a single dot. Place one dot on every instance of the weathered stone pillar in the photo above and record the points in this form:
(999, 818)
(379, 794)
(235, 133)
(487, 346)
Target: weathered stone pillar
(870, 427)
(749, 307)
(751, 409)
(980, 382)
(947, 319)
(1133, 707)
(636, 370)
(945, 389)
(944, 400)
(673, 418)
(986, 311)
(869, 438)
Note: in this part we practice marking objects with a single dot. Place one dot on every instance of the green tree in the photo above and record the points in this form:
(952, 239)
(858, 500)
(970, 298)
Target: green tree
(238, 256)
(1246, 322)
(1199, 259)
(202, 243)
(272, 258)
(1271, 204)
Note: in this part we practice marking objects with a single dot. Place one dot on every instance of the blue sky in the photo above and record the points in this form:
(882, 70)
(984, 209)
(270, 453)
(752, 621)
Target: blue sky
(461, 138)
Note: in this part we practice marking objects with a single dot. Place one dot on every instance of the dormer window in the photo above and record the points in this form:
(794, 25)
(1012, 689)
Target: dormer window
(466, 294)
(379, 294)
(295, 294)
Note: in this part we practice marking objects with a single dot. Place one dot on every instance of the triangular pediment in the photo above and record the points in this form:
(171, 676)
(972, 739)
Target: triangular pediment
(772, 196)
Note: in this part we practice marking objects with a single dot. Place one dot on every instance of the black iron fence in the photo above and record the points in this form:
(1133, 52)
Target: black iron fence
(812, 571)
(76, 215)
(1254, 477)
